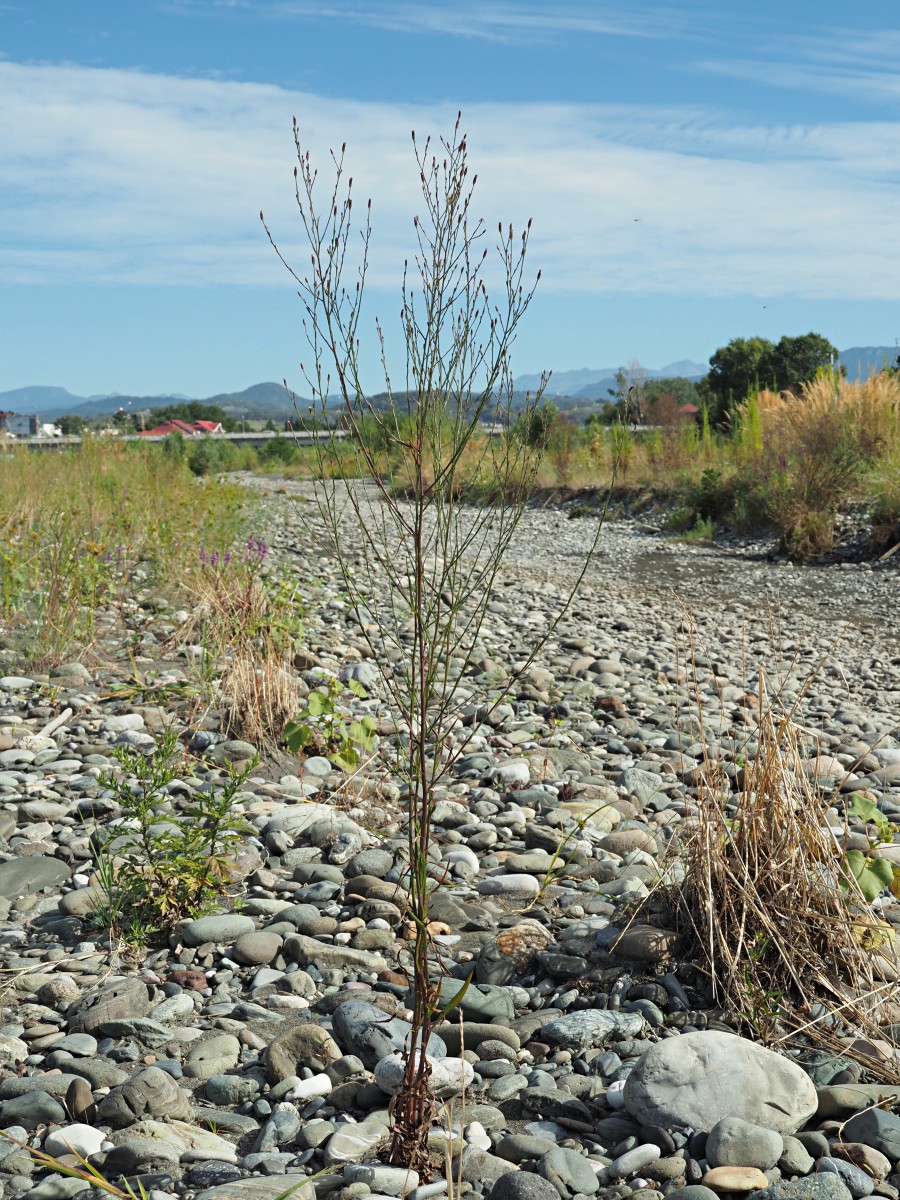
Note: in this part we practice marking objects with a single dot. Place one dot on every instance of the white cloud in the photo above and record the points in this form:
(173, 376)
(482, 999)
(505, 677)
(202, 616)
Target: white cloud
(490, 20)
(861, 64)
(116, 176)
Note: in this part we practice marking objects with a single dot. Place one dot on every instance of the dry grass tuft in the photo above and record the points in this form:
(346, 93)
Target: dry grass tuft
(774, 919)
(249, 632)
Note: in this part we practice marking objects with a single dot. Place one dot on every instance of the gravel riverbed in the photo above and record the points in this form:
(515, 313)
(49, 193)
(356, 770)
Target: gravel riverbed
(258, 1049)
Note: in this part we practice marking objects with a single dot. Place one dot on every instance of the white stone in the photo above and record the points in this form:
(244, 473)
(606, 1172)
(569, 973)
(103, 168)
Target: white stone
(318, 1085)
(476, 1135)
(514, 770)
(615, 1096)
(74, 1139)
(449, 1076)
(12, 1050)
(462, 854)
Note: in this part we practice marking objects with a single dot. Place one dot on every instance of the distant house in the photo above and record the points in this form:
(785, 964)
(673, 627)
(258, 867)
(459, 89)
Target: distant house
(16, 425)
(187, 428)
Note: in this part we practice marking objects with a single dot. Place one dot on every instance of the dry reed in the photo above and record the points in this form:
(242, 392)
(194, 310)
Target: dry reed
(776, 921)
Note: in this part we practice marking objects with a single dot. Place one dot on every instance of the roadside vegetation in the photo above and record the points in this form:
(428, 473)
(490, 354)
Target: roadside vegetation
(786, 462)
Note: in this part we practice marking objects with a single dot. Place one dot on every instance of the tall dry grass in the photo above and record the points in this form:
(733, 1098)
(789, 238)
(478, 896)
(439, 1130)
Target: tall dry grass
(803, 458)
(775, 917)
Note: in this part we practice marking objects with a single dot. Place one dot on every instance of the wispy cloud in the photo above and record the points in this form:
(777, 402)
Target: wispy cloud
(492, 20)
(834, 61)
(117, 176)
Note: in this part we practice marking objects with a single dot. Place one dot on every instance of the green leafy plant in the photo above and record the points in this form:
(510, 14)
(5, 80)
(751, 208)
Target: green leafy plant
(160, 863)
(872, 875)
(324, 728)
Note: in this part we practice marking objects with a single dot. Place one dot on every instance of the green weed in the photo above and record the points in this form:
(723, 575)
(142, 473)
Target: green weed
(162, 863)
(324, 728)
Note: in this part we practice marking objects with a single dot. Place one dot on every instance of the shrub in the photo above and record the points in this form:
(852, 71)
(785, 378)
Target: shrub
(164, 861)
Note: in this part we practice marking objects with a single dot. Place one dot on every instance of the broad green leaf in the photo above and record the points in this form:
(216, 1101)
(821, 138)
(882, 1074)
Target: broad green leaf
(872, 874)
(297, 737)
(867, 810)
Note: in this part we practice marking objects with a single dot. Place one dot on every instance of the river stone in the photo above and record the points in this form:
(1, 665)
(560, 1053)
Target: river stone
(78, 1139)
(872, 1161)
(189, 1142)
(368, 1032)
(734, 1179)
(262, 1187)
(212, 1056)
(142, 1029)
(523, 1185)
(733, 1142)
(568, 1171)
(857, 1182)
(795, 1158)
(113, 1001)
(225, 928)
(300, 1046)
(481, 1002)
(876, 1128)
(31, 1110)
(350, 1143)
(305, 950)
(592, 1027)
(694, 1080)
(151, 1092)
(30, 873)
(256, 949)
(824, 1186)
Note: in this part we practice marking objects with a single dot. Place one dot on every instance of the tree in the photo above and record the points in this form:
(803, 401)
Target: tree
(736, 370)
(440, 559)
(797, 360)
(746, 365)
(684, 390)
(71, 425)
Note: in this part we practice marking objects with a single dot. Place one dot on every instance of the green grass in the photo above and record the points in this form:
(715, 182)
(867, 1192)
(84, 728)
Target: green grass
(83, 530)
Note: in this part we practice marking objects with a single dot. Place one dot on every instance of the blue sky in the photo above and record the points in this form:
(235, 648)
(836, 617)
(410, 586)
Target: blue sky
(696, 171)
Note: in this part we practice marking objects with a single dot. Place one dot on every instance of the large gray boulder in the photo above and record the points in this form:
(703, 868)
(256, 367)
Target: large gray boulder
(693, 1081)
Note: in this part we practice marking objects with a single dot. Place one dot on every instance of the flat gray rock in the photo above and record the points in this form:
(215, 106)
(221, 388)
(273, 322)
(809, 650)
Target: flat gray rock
(261, 1187)
(116, 1001)
(693, 1081)
(225, 928)
(31, 873)
(591, 1027)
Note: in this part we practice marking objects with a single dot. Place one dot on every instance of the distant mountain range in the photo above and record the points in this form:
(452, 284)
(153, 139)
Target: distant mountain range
(271, 400)
(262, 400)
(596, 384)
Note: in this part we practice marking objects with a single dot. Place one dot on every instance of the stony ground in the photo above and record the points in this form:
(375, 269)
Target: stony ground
(258, 1048)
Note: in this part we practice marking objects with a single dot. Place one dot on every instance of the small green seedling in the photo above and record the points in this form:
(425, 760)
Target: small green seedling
(323, 728)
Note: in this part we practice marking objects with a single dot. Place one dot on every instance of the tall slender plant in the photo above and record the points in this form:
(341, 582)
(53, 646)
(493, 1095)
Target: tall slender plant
(412, 529)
